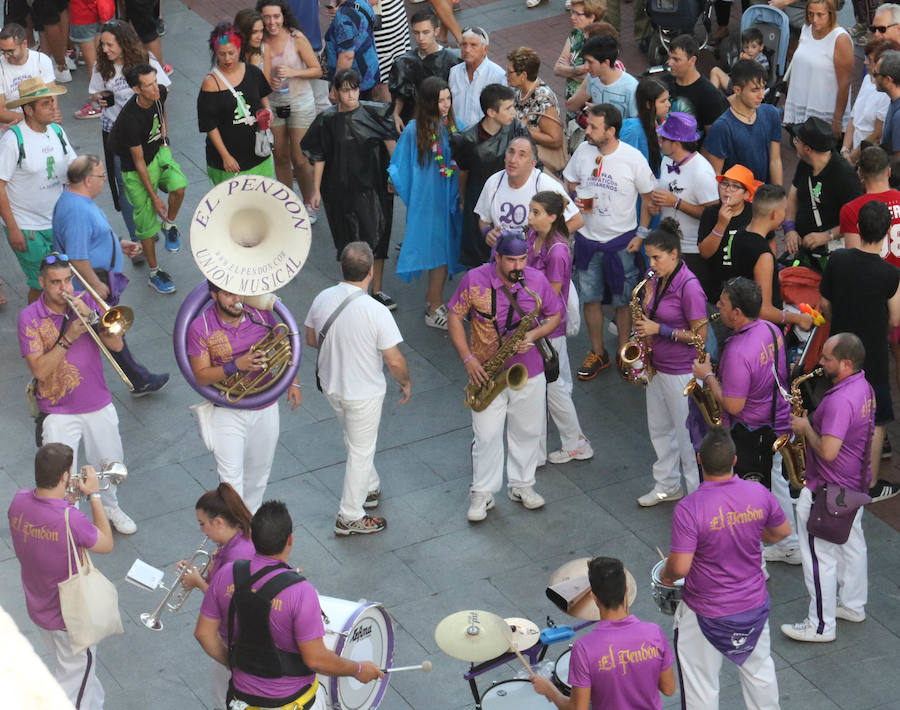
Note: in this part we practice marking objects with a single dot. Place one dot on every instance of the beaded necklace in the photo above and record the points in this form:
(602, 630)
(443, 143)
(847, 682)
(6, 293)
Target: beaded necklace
(445, 170)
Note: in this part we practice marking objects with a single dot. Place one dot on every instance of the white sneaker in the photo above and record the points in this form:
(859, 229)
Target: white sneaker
(479, 505)
(777, 553)
(120, 521)
(842, 612)
(582, 453)
(438, 319)
(62, 77)
(655, 497)
(527, 496)
(805, 631)
(312, 214)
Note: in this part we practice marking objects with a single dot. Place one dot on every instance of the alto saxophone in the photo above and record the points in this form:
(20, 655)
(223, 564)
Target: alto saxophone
(635, 356)
(793, 447)
(478, 397)
(700, 392)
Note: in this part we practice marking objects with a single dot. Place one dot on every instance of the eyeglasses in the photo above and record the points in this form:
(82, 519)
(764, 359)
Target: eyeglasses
(575, 13)
(731, 186)
(8, 52)
(101, 176)
(53, 258)
(876, 29)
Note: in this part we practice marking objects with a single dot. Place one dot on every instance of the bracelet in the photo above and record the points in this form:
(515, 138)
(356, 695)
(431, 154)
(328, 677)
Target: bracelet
(63, 343)
(465, 360)
(708, 374)
(677, 202)
(295, 384)
(720, 235)
(789, 225)
(94, 496)
(665, 331)
(230, 367)
(641, 232)
(783, 316)
(358, 669)
(675, 334)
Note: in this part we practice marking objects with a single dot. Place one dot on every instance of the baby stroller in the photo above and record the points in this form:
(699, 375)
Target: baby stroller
(671, 18)
(776, 32)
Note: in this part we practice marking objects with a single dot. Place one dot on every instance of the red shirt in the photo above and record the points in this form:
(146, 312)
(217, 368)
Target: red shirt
(890, 252)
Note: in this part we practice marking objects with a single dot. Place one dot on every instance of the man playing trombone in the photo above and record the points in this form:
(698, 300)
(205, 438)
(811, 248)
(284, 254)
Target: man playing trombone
(71, 392)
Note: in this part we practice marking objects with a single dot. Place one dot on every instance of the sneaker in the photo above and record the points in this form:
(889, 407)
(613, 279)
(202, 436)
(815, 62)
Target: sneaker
(153, 384)
(138, 259)
(842, 612)
(160, 27)
(71, 64)
(385, 300)
(312, 214)
(479, 505)
(372, 499)
(532, 3)
(366, 525)
(805, 631)
(63, 76)
(655, 497)
(592, 365)
(438, 319)
(778, 553)
(89, 110)
(886, 449)
(882, 490)
(173, 239)
(582, 453)
(527, 496)
(120, 521)
(161, 282)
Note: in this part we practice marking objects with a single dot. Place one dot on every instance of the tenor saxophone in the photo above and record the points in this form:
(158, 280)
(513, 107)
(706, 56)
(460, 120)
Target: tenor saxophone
(793, 447)
(478, 397)
(635, 356)
(700, 392)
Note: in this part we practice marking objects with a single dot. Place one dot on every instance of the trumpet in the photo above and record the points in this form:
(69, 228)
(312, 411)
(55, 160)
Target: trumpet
(177, 594)
(110, 474)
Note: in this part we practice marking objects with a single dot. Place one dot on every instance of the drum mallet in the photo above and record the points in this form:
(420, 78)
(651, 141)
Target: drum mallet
(423, 666)
(524, 662)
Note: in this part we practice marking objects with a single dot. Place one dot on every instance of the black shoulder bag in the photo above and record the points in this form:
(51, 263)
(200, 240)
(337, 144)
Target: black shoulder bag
(544, 346)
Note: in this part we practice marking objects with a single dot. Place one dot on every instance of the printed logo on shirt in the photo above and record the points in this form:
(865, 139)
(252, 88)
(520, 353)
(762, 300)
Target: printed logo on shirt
(767, 355)
(239, 119)
(155, 130)
(512, 215)
(66, 377)
(625, 656)
(733, 518)
(868, 408)
(817, 193)
(28, 530)
(51, 166)
(218, 346)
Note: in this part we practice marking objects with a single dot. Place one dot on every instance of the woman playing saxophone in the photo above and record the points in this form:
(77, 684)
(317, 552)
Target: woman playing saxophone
(674, 304)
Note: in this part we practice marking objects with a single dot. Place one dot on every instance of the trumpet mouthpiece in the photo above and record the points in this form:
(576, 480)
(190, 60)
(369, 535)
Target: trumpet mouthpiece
(426, 666)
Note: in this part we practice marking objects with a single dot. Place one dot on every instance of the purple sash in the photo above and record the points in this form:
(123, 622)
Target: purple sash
(613, 269)
(735, 636)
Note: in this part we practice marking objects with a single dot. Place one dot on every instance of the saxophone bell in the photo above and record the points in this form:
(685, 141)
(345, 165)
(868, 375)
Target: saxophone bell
(791, 446)
(635, 355)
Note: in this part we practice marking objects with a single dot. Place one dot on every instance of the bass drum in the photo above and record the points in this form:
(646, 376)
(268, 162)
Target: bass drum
(359, 631)
(517, 694)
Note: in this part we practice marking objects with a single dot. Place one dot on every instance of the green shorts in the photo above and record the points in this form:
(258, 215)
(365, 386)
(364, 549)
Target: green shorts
(38, 243)
(266, 168)
(164, 172)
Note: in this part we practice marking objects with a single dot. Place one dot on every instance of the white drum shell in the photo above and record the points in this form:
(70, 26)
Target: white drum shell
(516, 694)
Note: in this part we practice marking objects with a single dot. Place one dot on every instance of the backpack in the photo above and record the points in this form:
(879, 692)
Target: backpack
(20, 142)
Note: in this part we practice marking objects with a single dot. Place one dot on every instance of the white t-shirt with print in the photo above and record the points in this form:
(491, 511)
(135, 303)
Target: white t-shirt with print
(695, 182)
(504, 206)
(618, 179)
(11, 75)
(117, 84)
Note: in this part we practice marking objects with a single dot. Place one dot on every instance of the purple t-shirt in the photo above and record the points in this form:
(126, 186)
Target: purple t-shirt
(555, 261)
(76, 386)
(224, 342)
(721, 524)
(745, 371)
(847, 411)
(237, 548)
(295, 617)
(620, 661)
(38, 530)
(473, 299)
(683, 301)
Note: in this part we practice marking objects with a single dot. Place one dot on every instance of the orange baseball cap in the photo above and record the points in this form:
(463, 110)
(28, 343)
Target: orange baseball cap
(743, 175)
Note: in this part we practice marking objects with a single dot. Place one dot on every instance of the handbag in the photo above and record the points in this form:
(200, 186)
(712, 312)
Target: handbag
(264, 139)
(544, 346)
(554, 159)
(88, 601)
(573, 312)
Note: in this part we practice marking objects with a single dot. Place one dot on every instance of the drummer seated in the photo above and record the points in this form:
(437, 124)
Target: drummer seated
(624, 663)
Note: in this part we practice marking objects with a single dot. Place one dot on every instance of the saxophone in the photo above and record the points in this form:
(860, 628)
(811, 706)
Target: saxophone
(634, 357)
(793, 447)
(478, 397)
(699, 391)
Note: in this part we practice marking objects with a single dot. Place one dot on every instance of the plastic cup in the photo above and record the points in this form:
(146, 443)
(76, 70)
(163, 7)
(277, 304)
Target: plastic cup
(585, 196)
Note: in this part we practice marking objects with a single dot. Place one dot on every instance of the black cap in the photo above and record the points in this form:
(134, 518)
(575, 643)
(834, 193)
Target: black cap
(815, 133)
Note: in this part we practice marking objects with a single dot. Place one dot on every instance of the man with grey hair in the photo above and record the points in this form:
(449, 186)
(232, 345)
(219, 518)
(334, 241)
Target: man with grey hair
(469, 78)
(887, 79)
(886, 22)
(355, 335)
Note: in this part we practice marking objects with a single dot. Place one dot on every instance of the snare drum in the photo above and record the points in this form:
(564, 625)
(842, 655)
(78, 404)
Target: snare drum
(666, 597)
(360, 631)
(561, 672)
(517, 694)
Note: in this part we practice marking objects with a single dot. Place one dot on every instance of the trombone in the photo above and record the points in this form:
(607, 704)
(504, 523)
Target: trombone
(177, 594)
(114, 320)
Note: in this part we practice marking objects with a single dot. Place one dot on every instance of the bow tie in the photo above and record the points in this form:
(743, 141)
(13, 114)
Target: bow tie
(674, 169)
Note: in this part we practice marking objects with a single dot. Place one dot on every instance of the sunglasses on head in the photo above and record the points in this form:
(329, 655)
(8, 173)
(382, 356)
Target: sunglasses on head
(477, 30)
(54, 258)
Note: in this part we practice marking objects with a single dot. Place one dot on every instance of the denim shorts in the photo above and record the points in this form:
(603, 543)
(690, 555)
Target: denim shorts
(591, 286)
(84, 33)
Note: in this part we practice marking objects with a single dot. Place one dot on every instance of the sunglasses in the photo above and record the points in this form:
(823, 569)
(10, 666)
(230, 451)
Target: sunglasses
(54, 258)
(599, 169)
(876, 29)
(477, 30)
(8, 52)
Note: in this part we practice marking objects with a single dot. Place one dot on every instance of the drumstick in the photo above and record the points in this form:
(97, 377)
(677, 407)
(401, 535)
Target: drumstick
(661, 555)
(423, 666)
(524, 662)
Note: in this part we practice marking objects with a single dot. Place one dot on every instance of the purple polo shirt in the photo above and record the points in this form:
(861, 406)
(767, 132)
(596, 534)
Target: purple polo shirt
(473, 298)
(555, 261)
(721, 524)
(237, 548)
(295, 617)
(76, 386)
(620, 661)
(847, 411)
(745, 371)
(683, 301)
(224, 342)
(38, 530)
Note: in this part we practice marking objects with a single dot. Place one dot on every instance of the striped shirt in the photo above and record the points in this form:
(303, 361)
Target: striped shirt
(392, 40)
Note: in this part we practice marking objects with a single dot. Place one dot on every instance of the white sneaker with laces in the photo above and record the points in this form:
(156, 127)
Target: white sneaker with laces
(120, 520)
(842, 612)
(479, 505)
(527, 496)
(777, 553)
(805, 631)
(62, 76)
(582, 453)
(655, 497)
(438, 319)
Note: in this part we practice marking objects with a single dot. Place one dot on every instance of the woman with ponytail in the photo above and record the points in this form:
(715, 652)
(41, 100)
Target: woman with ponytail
(548, 251)
(673, 304)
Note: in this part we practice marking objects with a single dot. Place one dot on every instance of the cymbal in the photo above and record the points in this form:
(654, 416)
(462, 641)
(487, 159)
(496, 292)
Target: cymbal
(585, 608)
(473, 635)
(525, 633)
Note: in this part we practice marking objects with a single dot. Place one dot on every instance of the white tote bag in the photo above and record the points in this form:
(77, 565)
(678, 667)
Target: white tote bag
(89, 601)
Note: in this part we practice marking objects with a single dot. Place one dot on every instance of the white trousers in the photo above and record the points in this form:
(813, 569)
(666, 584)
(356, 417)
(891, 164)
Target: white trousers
(100, 433)
(360, 419)
(832, 572)
(782, 493)
(700, 663)
(560, 404)
(244, 443)
(667, 412)
(522, 412)
(76, 673)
